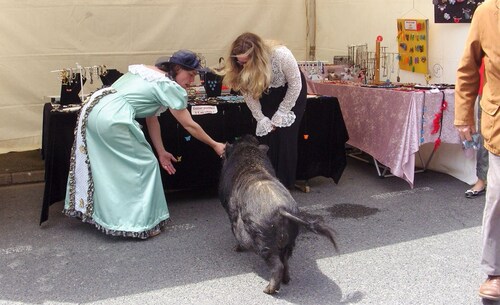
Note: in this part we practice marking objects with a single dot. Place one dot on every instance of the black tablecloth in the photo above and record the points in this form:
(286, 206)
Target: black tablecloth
(322, 138)
(57, 139)
(199, 166)
(322, 141)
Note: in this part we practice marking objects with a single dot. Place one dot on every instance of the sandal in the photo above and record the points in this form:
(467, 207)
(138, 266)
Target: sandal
(473, 193)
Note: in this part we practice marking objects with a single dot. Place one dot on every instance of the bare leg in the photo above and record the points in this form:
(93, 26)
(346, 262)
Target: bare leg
(480, 184)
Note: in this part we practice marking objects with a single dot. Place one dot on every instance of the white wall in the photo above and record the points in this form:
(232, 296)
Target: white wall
(341, 23)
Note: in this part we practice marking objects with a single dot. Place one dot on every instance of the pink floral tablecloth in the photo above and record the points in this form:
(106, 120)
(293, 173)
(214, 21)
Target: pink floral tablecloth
(391, 124)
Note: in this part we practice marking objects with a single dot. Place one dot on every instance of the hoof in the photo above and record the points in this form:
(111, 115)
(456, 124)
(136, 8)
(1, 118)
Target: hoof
(271, 290)
(238, 248)
(286, 279)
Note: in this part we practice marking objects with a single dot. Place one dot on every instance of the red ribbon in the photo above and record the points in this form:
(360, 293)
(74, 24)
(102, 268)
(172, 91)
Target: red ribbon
(438, 121)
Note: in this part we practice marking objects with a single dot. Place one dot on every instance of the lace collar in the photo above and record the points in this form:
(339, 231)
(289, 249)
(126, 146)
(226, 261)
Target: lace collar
(146, 73)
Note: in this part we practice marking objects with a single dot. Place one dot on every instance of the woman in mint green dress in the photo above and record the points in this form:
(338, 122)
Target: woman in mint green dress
(114, 179)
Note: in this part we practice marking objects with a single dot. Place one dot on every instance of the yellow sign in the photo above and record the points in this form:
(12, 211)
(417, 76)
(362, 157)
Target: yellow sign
(412, 45)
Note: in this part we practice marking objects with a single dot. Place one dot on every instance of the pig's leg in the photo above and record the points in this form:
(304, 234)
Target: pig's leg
(274, 262)
(285, 254)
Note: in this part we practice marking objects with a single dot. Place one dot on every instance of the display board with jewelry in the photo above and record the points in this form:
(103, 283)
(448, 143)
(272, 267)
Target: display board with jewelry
(313, 70)
(372, 69)
(359, 66)
(211, 91)
(73, 80)
(197, 96)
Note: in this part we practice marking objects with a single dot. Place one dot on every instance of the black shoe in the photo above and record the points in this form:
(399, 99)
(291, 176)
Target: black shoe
(473, 193)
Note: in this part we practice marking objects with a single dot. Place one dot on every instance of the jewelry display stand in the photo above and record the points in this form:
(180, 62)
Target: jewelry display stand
(70, 89)
(74, 79)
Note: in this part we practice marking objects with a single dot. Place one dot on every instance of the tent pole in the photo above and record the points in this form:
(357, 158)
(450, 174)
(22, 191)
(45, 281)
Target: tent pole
(311, 30)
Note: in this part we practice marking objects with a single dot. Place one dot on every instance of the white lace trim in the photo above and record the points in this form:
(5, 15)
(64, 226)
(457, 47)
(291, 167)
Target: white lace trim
(147, 73)
(264, 127)
(283, 119)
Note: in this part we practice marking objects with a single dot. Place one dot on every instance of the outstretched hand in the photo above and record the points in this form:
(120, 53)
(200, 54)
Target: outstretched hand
(219, 149)
(166, 160)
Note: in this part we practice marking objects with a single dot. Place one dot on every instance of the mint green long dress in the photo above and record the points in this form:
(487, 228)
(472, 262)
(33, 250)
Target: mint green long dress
(114, 180)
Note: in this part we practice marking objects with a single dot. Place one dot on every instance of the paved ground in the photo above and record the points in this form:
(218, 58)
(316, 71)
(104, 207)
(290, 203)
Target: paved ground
(397, 246)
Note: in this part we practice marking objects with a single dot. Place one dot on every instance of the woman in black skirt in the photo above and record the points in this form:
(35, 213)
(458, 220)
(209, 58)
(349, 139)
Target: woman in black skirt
(274, 89)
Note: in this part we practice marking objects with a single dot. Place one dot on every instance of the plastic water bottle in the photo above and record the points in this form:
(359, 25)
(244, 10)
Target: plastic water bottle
(470, 147)
(469, 152)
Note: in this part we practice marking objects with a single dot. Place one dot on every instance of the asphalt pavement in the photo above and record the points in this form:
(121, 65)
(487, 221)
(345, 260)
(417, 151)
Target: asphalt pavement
(396, 246)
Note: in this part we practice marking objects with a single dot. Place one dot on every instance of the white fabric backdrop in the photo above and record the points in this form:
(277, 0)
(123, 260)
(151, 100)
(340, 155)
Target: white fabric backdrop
(39, 36)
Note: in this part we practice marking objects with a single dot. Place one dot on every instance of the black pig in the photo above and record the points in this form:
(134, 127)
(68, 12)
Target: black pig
(263, 214)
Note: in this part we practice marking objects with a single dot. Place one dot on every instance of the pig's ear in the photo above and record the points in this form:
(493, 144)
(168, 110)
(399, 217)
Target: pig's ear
(263, 148)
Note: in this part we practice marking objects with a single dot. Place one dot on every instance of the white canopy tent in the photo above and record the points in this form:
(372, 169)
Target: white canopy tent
(39, 36)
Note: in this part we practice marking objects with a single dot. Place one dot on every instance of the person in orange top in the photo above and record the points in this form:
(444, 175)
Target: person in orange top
(482, 44)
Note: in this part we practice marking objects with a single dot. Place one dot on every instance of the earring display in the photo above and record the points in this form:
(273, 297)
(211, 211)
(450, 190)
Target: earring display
(212, 82)
(314, 70)
(109, 76)
(454, 11)
(74, 79)
(70, 89)
(412, 45)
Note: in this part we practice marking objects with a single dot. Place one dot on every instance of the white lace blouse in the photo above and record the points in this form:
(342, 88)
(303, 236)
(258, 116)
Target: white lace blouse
(284, 70)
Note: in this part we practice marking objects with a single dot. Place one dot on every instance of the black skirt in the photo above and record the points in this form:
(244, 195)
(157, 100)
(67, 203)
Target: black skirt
(283, 141)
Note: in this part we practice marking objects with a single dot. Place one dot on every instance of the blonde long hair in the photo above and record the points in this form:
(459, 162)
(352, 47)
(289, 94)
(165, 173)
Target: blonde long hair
(254, 77)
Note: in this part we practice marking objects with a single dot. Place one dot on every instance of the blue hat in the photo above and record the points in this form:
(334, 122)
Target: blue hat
(185, 58)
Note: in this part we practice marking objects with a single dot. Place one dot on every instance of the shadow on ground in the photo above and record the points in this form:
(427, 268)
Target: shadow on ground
(65, 260)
